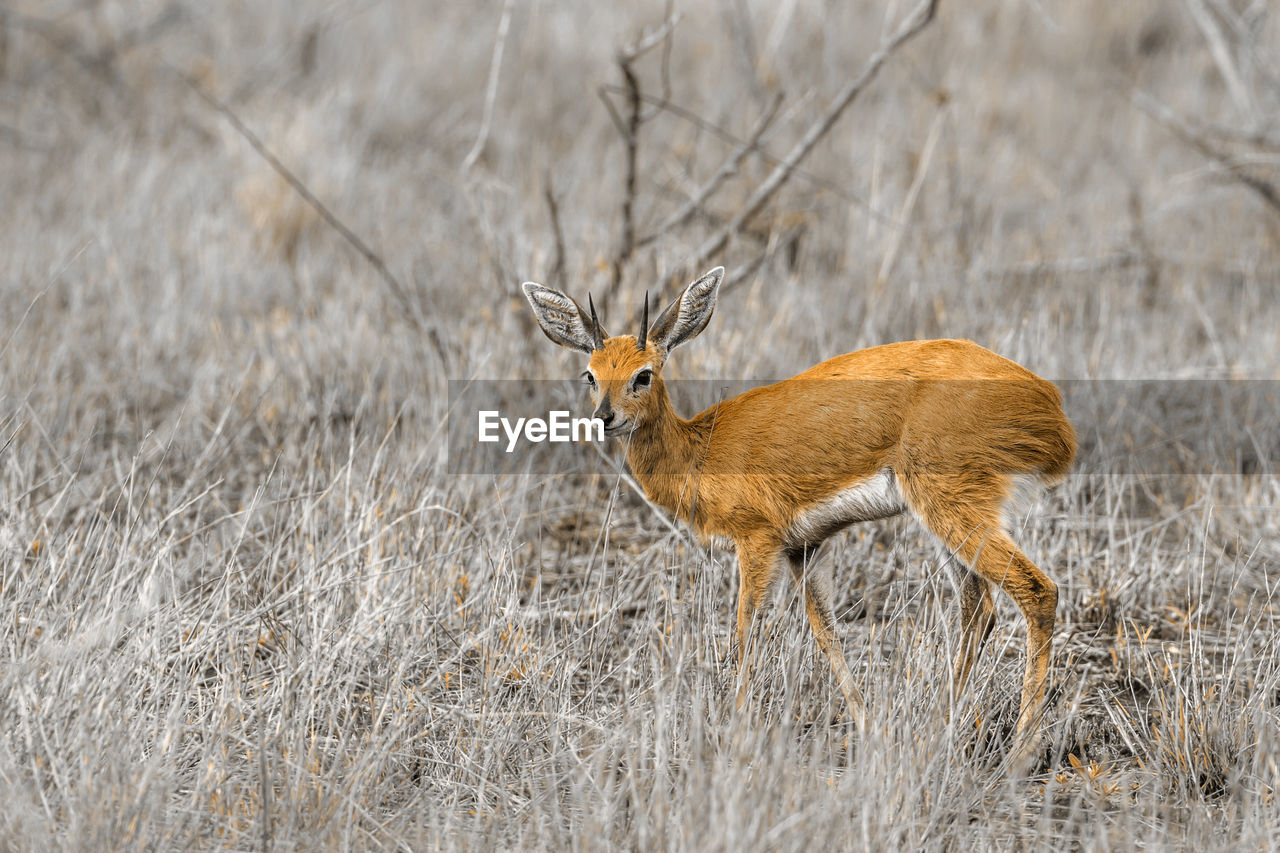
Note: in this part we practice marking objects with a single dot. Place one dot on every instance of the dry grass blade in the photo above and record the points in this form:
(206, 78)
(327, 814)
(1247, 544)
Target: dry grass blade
(909, 202)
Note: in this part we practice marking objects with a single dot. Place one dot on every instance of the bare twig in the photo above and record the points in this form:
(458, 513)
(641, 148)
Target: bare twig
(630, 130)
(1192, 136)
(665, 64)
(491, 89)
(631, 138)
(1257, 138)
(764, 154)
(915, 22)
(726, 171)
(648, 41)
(374, 259)
(556, 275)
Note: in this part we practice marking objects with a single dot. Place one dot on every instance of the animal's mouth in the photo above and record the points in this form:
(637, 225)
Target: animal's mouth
(618, 429)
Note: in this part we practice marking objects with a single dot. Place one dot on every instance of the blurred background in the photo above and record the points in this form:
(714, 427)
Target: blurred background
(244, 245)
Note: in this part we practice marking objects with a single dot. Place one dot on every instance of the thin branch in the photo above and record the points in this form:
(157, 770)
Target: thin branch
(491, 89)
(630, 138)
(915, 22)
(1193, 137)
(720, 133)
(648, 42)
(603, 92)
(727, 170)
(556, 275)
(630, 130)
(318, 206)
(665, 64)
(1256, 138)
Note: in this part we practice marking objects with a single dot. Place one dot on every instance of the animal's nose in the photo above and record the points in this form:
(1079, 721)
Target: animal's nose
(604, 412)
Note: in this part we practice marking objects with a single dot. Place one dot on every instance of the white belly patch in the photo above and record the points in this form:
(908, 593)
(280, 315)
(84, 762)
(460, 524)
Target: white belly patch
(875, 497)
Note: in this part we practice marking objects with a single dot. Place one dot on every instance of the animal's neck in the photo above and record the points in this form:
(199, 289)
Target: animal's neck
(666, 456)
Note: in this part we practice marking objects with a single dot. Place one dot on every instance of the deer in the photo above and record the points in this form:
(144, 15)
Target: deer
(944, 430)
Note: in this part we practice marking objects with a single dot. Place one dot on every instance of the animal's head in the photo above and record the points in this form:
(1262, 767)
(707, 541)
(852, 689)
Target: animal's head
(625, 372)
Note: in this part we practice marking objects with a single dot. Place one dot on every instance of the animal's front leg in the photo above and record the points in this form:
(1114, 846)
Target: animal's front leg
(758, 562)
(817, 606)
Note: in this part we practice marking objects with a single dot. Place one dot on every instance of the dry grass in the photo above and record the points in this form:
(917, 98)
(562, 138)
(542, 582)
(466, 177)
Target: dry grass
(243, 604)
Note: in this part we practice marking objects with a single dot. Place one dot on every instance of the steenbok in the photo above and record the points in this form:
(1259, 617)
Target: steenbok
(945, 430)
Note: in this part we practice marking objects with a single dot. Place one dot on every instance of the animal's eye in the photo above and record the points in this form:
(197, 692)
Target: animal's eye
(643, 378)
(589, 379)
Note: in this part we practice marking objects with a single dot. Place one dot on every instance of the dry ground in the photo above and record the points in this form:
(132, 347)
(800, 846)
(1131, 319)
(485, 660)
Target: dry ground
(245, 605)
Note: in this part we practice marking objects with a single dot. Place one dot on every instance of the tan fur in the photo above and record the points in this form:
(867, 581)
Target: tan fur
(943, 427)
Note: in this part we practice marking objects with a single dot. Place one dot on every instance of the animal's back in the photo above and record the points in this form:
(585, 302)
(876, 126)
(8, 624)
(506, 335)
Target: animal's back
(944, 359)
(937, 403)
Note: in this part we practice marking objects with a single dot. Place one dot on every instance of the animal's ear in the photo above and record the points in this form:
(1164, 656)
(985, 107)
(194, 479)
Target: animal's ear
(563, 320)
(686, 317)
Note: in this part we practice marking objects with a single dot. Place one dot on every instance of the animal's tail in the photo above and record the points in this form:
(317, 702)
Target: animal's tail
(1059, 441)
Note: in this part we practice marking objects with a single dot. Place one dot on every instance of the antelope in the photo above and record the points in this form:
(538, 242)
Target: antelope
(942, 429)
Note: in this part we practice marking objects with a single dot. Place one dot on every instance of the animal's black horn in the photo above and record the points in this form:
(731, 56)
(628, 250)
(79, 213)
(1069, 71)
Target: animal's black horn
(596, 333)
(643, 340)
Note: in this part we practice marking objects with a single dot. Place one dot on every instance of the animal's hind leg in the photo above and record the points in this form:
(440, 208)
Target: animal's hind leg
(964, 511)
(999, 561)
(817, 606)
